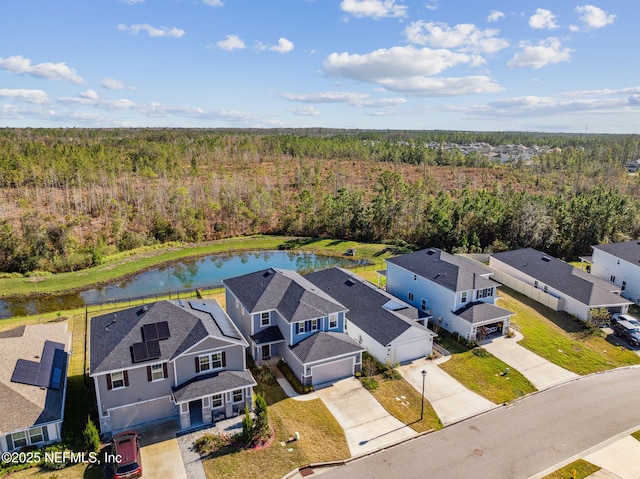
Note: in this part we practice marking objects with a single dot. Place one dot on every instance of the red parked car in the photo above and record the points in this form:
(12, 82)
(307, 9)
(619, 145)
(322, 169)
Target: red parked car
(126, 446)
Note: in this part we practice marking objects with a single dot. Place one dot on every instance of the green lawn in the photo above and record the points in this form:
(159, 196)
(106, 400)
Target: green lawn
(131, 262)
(561, 340)
(482, 373)
(321, 439)
(581, 467)
(403, 402)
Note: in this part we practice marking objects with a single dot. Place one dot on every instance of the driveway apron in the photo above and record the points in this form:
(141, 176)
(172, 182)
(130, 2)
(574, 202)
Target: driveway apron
(542, 373)
(367, 425)
(163, 459)
(450, 399)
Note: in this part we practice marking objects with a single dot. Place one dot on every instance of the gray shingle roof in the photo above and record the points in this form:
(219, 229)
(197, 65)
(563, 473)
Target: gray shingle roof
(366, 304)
(561, 276)
(479, 312)
(270, 335)
(285, 291)
(214, 383)
(455, 273)
(324, 345)
(26, 405)
(113, 334)
(626, 250)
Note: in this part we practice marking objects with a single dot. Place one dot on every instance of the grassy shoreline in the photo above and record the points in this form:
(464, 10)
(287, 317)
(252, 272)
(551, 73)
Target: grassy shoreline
(127, 264)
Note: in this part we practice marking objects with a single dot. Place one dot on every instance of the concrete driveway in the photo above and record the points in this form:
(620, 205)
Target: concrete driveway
(160, 452)
(367, 425)
(542, 373)
(619, 459)
(450, 399)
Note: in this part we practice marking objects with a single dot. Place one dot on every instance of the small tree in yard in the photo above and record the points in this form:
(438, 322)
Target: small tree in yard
(91, 437)
(597, 317)
(247, 426)
(262, 416)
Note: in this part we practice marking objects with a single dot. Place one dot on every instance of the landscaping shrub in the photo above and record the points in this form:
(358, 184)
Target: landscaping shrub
(91, 437)
(291, 378)
(212, 442)
(369, 383)
(261, 424)
(480, 352)
(247, 427)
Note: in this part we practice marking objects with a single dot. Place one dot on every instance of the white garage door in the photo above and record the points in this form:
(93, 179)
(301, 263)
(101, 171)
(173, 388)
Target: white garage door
(411, 351)
(332, 371)
(127, 417)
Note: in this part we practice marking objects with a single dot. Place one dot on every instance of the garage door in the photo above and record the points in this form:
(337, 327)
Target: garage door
(127, 417)
(332, 371)
(410, 351)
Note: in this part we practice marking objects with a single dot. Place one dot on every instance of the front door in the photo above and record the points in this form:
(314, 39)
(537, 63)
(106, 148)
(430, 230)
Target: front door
(266, 351)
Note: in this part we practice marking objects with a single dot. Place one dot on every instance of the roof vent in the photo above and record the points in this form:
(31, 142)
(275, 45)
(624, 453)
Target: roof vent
(431, 252)
(349, 282)
(545, 259)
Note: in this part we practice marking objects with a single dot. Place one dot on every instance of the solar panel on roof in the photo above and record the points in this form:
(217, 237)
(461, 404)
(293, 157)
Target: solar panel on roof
(163, 330)
(57, 369)
(224, 324)
(154, 331)
(38, 373)
(145, 351)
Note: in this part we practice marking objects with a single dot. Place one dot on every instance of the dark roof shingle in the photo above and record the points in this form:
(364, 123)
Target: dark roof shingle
(324, 345)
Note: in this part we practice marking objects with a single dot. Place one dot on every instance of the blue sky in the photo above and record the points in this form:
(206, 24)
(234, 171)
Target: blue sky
(556, 66)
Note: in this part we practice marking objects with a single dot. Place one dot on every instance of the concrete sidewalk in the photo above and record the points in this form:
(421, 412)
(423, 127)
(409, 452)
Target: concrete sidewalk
(450, 399)
(367, 425)
(621, 459)
(542, 373)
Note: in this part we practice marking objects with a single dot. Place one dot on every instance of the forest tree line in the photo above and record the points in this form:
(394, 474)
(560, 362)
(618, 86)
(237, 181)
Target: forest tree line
(69, 197)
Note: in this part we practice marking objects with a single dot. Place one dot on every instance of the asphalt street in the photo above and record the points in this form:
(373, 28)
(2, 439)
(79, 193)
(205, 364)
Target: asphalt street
(519, 440)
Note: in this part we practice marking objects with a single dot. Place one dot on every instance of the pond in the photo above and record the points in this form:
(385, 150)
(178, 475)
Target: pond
(186, 275)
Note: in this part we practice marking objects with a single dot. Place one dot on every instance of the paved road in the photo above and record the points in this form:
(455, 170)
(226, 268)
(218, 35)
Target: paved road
(516, 441)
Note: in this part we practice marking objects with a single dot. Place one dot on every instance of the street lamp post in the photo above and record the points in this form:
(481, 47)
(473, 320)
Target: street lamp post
(424, 375)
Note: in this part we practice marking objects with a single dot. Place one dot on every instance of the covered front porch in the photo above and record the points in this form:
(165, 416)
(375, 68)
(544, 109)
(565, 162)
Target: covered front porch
(212, 397)
(266, 345)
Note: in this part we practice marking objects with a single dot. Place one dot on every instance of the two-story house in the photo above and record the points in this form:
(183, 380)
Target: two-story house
(455, 291)
(284, 315)
(619, 264)
(182, 359)
(33, 382)
(385, 325)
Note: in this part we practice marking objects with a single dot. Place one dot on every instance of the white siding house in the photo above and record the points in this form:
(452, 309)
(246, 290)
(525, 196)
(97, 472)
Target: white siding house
(619, 264)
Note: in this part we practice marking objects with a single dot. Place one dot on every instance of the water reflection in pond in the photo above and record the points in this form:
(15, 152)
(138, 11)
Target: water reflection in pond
(188, 274)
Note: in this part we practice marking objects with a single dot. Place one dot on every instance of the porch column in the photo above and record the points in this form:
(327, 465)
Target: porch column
(228, 405)
(206, 410)
(185, 417)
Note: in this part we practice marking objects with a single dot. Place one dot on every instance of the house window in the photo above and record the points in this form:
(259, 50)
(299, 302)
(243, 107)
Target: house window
(535, 284)
(301, 327)
(624, 285)
(237, 395)
(612, 278)
(484, 293)
(210, 362)
(36, 435)
(216, 400)
(117, 380)
(333, 321)
(265, 319)
(463, 297)
(157, 372)
(19, 439)
(314, 325)
(546, 288)
(423, 304)
(184, 407)
(410, 296)
(415, 277)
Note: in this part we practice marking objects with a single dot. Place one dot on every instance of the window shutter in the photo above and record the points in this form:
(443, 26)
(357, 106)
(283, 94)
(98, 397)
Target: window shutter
(297, 328)
(109, 384)
(45, 433)
(149, 377)
(165, 370)
(126, 378)
(197, 365)
(9, 441)
(224, 359)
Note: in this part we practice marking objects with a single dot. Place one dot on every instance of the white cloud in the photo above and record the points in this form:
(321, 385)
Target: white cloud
(431, 5)
(546, 52)
(351, 98)
(393, 63)
(373, 8)
(464, 36)
(213, 3)
(439, 86)
(543, 20)
(231, 42)
(131, 2)
(594, 17)
(494, 16)
(112, 84)
(89, 94)
(304, 111)
(151, 30)
(49, 71)
(30, 96)
(283, 46)
(118, 104)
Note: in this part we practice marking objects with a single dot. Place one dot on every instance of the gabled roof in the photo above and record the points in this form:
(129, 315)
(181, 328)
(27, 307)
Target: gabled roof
(268, 336)
(562, 277)
(479, 312)
(287, 292)
(190, 322)
(455, 273)
(376, 312)
(26, 405)
(213, 383)
(626, 250)
(324, 345)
